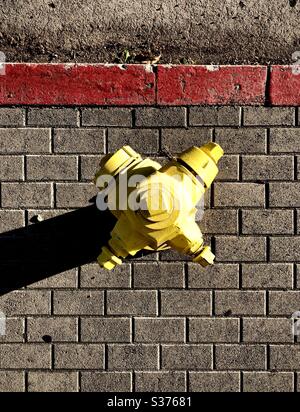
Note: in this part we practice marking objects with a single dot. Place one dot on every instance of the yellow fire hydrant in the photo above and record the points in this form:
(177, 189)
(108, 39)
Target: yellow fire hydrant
(156, 206)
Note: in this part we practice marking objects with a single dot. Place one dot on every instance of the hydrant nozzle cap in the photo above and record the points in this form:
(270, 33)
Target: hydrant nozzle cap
(113, 163)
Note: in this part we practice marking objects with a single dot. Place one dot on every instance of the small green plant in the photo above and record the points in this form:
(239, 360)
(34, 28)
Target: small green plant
(126, 56)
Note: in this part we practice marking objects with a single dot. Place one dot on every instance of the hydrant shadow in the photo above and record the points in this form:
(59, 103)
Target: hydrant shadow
(43, 249)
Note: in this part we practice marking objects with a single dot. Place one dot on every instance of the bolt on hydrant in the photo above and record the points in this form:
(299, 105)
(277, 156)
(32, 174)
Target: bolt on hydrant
(156, 205)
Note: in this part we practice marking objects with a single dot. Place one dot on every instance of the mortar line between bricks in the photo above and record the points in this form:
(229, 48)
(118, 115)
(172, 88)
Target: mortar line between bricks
(240, 168)
(105, 298)
(79, 117)
(187, 117)
(173, 128)
(187, 330)
(78, 376)
(267, 303)
(78, 329)
(78, 161)
(25, 334)
(52, 357)
(295, 281)
(95, 127)
(26, 381)
(240, 269)
(106, 145)
(241, 116)
(151, 316)
(117, 289)
(212, 196)
(51, 302)
(54, 196)
(213, 303)
(241, 329)
(133, 118)
(268, 249)
(159, 357)
(48, 182)
(199, 127)
(268, 141)
(160, 143)
(105, 357)
(149, 343)
(131, 370)
(213, 365)
(25, 120)
(132, 332)
(240, 222)
(24, 168)
(185, 275)
(52, 133)
(295, 382)
(267, 195)
(26, 218)
(268, 358)
(158, 308)
(241, 381)
(131, 276)
(187, 381)
(213, 135)
(104, 125)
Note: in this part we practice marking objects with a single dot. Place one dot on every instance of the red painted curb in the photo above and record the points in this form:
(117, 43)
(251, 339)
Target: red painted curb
(211, 85)
(285, 85)
(126, 85)
(81, 84)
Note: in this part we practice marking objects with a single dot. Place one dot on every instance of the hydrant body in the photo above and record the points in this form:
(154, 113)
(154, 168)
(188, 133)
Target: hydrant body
(157, 210)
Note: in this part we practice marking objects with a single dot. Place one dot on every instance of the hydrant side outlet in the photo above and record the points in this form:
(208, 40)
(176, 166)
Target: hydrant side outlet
(156, 206)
